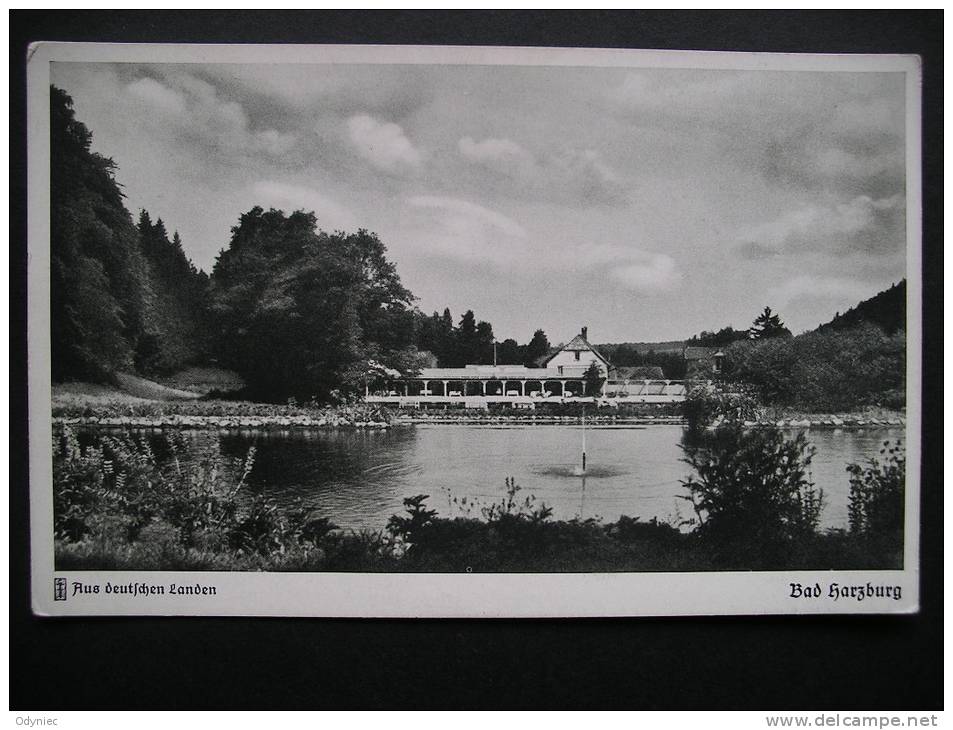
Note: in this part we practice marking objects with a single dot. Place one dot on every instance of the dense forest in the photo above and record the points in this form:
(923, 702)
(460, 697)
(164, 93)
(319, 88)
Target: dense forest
(122, 297)
(857, 360)
(887, 310)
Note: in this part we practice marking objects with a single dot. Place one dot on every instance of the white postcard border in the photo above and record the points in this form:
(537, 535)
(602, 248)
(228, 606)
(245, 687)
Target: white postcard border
(444, 595)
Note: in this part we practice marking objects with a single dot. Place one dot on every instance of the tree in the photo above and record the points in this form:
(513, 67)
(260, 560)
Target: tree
(537, 348)
(625, 355)
(824, 371)
(484, 343)
(466, 346)
(888, 310)
(593, 379)
(446, 338)
(509, 353)
(179, 300)
(100, 292)
(753, 489)
(722, 338)
(306, 313)
(767, 325)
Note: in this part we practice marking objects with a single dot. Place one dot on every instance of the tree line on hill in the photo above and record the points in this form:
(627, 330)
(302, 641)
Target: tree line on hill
(628, 355)
(857, 359)
(296, 311)
(473, 342)
(672, 361)
(122, 296)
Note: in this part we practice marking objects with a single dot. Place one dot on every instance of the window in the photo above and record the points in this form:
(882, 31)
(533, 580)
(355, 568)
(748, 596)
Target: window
(577, 354)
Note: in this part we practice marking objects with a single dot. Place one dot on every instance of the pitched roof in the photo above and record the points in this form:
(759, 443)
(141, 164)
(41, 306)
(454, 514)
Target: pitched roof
(577, 344)
(637, 372)
(699, 353)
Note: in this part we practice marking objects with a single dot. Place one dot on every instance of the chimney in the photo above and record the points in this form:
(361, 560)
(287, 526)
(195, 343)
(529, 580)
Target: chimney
(585, 332)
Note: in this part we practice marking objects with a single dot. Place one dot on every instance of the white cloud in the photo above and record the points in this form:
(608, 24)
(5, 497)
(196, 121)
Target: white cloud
(464, 230)
(274, 142)
(493, 151)
(331, 215)
(383, 144)
(834, 132)
(471, 211)
(459, 229)
(579, 176)
(649, 272)
(862, 225)
(191, 109)
(842, 293)
(638, 269)
(158, 96)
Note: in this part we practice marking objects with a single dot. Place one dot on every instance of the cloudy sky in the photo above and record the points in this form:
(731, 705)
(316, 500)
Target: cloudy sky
(648, 204)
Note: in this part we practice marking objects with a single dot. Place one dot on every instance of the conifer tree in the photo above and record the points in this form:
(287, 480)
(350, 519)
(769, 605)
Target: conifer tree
(99, 287)
(767, 325)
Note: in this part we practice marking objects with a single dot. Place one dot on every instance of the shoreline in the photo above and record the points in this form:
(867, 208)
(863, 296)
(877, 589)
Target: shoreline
(340, 421)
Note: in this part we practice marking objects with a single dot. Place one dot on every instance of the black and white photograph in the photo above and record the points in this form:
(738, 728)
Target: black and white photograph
(449, 331)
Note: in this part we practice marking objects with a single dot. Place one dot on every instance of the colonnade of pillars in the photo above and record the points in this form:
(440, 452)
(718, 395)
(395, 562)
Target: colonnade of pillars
(496, 387)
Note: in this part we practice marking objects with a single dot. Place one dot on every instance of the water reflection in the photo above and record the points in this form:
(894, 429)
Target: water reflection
(359, 478)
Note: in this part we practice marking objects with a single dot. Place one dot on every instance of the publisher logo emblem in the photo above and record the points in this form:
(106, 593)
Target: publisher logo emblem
(59, 589)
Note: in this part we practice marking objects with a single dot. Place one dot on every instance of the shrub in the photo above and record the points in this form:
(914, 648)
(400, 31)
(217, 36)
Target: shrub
(752, 486)
(823, 371)
(510, 508)
(418, 518)
(715, 403)
(632, 529)
(120, 499)
(875, 503)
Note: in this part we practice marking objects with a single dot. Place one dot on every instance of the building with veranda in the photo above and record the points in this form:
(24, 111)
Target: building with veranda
(562, 376)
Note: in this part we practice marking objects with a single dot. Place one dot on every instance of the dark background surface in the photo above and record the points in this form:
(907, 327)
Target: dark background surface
(805, 663)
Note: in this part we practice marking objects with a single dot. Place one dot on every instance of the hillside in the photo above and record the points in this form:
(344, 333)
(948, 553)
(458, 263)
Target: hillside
(886, 309)
(642, 347)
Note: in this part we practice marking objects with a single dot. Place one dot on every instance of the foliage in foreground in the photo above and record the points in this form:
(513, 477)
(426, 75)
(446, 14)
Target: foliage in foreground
(875, 506)
(119, 507)
(118, 498)
(753, 489)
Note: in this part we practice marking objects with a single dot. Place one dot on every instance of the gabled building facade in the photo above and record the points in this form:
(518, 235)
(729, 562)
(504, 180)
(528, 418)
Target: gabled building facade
(574, 358)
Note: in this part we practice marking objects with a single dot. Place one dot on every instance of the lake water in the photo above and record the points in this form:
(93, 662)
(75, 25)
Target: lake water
(359, 478)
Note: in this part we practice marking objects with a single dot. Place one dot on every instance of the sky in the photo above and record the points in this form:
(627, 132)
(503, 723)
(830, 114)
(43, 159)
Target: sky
(647, 204)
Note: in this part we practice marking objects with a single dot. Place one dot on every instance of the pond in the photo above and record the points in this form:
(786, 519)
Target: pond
(359, 478)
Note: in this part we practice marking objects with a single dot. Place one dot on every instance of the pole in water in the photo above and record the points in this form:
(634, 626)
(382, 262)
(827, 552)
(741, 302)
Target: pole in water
(584, 440)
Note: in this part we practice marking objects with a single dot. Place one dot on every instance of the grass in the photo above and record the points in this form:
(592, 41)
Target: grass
(83, 401)
(129, 390)
(203, 380)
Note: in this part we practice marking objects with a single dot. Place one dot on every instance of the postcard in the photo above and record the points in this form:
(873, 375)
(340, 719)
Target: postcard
(408, 331)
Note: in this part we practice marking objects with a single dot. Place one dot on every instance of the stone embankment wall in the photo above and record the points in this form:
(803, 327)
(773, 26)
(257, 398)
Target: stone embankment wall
(223, 422)
(336, 420)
